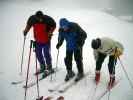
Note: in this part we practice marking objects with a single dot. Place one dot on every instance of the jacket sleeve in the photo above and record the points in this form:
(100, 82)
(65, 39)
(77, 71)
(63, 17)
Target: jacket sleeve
(51, 24)
(60, 37)
(29, 24)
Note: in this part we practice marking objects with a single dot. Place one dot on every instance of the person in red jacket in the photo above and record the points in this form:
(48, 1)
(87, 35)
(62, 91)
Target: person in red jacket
(43, 27)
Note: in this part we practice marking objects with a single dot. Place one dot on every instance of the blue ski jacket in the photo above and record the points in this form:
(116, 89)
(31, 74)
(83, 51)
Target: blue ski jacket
(73, 34)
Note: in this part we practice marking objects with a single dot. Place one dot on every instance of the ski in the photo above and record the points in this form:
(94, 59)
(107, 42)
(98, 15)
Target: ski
(71, 84)
(107, 90)
(17, 82)
(23, 80)
(40, 78)
(55, 88)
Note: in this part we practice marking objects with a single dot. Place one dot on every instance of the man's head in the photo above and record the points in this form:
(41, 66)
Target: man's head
(64, 23)
(96, 43)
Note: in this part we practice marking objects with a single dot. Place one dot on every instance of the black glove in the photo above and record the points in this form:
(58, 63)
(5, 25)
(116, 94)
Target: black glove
(58, 46)
(61, 30)
(50, 36)
(24, 33)
(34, 44)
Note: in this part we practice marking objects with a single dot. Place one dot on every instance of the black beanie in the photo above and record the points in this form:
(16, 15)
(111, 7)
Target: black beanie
(39, 13)
(96, 43)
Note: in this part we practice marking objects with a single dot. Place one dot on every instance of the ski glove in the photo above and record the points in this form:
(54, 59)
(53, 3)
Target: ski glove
(50, 36)
(24, 33)
(34, 44)
(58, 46)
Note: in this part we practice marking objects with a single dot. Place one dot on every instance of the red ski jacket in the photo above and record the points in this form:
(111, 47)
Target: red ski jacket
(42, 27)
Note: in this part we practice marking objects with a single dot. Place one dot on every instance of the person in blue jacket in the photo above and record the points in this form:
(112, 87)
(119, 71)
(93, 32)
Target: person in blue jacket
(75, 38)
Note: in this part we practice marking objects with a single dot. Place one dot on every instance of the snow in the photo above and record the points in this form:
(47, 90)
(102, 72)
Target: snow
(94, 21)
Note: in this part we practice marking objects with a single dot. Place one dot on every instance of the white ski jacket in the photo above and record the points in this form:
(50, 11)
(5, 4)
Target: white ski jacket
(107, 47)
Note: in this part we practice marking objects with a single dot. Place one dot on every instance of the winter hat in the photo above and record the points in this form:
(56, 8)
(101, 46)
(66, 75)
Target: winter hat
(96, 43)
(39, 13)
(64, 23)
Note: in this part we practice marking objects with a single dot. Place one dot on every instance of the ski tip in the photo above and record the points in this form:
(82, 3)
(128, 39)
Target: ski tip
(40, 98)
(60, 98)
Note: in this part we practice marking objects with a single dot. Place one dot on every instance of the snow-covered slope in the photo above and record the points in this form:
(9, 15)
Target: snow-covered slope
(95, 22)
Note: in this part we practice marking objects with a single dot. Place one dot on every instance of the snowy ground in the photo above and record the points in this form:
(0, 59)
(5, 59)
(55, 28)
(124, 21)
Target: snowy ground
(95, 22)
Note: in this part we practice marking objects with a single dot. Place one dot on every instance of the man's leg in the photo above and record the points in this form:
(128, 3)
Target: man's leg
(68, 63)
(79, 61)
(111, 67)
(47, 55)
(39, 55)
(99, 63)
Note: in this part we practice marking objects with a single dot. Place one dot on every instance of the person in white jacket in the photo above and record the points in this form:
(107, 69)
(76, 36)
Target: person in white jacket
(104, 47)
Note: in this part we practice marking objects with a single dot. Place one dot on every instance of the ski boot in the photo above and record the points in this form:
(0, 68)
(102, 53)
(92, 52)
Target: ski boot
(48, 71)
(111, 82)
(70, 74)
(79, 77)
(41, 70)
(97, 77)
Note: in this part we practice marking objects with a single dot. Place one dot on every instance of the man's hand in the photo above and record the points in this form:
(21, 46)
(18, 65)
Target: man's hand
(50, 35)
(57, 46)
(24, 33)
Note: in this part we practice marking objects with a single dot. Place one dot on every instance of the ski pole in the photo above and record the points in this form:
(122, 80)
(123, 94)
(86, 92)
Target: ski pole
(56, 63)
(131, 84)
(38, 93)
(22, 56)
(57, 60)
(37, 77)
(28, 70)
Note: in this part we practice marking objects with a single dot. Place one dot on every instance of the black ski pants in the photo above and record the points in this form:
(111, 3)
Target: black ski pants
(78, 58)
(111, 63)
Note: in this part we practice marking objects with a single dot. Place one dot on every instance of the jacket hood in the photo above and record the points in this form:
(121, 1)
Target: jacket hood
(64, 23)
